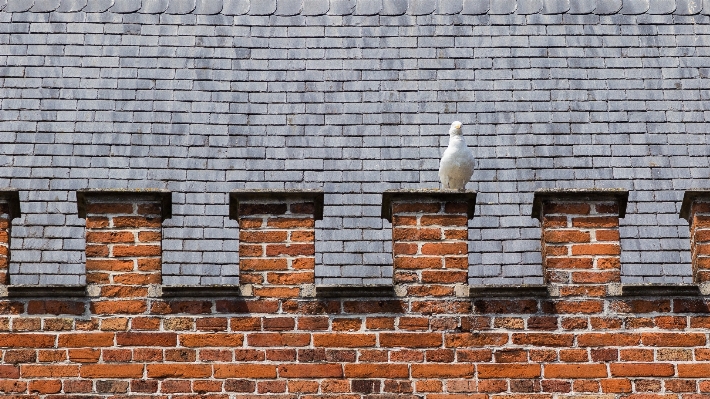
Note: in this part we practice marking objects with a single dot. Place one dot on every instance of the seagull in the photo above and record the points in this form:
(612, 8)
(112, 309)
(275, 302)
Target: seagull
(456, 166)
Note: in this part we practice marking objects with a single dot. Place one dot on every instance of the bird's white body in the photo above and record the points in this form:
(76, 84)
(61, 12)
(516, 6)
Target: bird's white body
(456, 166)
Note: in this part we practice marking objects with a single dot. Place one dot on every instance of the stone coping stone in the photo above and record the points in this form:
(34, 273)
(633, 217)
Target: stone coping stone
(354, 291)
(689, 197)
(468, 196)
(201, 291)
(660, 290)
(46, 291)
(509, 291)
(576, 194)
(165, 197)
(237, 196)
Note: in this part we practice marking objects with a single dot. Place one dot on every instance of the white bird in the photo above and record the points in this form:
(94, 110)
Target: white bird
(456, 166)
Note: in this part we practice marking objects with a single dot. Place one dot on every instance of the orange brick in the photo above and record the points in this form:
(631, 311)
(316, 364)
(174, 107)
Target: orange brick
(136, 250)
(673, 339)
(211, 340)
(445, 248)
(288, 223)
(110, 237)
(543, 339)
(566, 236)
(596, 249)
(595, 221)
(410, 340)
(263, 236)
(641, 370)
(341, 340)
(89, 339)
(146, 339)
(443, 371)
(257, 371)
(9, 340)
(376, 370)
(179, 370)
(509, 370)
(136, 221)
(49, 371)
(443, 220)
(416, 234)
(263, 264)
(277, 292)
(45, 386)
(290, 250)
(612, 385)
(311, 370)
(419, 262)
(112, 371)
(569, 263)
(694, 370)
(566, 371)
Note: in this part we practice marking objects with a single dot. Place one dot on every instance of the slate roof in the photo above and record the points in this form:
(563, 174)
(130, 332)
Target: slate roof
(204, 97)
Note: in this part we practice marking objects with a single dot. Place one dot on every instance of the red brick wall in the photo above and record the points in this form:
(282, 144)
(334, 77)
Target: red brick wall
(437, 345)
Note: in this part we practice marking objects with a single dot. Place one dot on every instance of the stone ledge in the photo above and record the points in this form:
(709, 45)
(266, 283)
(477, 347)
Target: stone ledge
(237, 196)
(689, 197)
(47, 291)
(660, 290)
(12, 197)
(205, 291)
(509, 291)
(165, 197)
(576, 194)
(354, 291)
(468, 196)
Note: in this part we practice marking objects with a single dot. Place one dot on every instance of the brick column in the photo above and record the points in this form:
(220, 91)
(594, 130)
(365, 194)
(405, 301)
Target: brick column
(123, 246)
(277, 240)
(696, 210)
(429, 240)
(9, 209)
(581, 248)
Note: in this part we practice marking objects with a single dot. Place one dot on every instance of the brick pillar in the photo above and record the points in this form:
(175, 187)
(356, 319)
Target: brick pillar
(581, 249)
(9, 209)
(277, 240)
(429, 240)
(696, 210)
(123, 246)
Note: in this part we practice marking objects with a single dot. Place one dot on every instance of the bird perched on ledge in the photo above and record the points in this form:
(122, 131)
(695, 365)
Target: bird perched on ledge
(456, 166)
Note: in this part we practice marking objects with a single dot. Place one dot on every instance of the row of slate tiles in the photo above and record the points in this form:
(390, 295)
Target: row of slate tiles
(363, 7)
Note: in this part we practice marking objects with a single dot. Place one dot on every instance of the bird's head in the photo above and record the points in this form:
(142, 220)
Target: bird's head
(456, 129)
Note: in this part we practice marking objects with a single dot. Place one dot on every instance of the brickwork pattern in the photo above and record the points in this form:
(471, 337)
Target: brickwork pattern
(359, 349)
(207, 102)
(277, 246)
(580, 247)
(430, 246)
